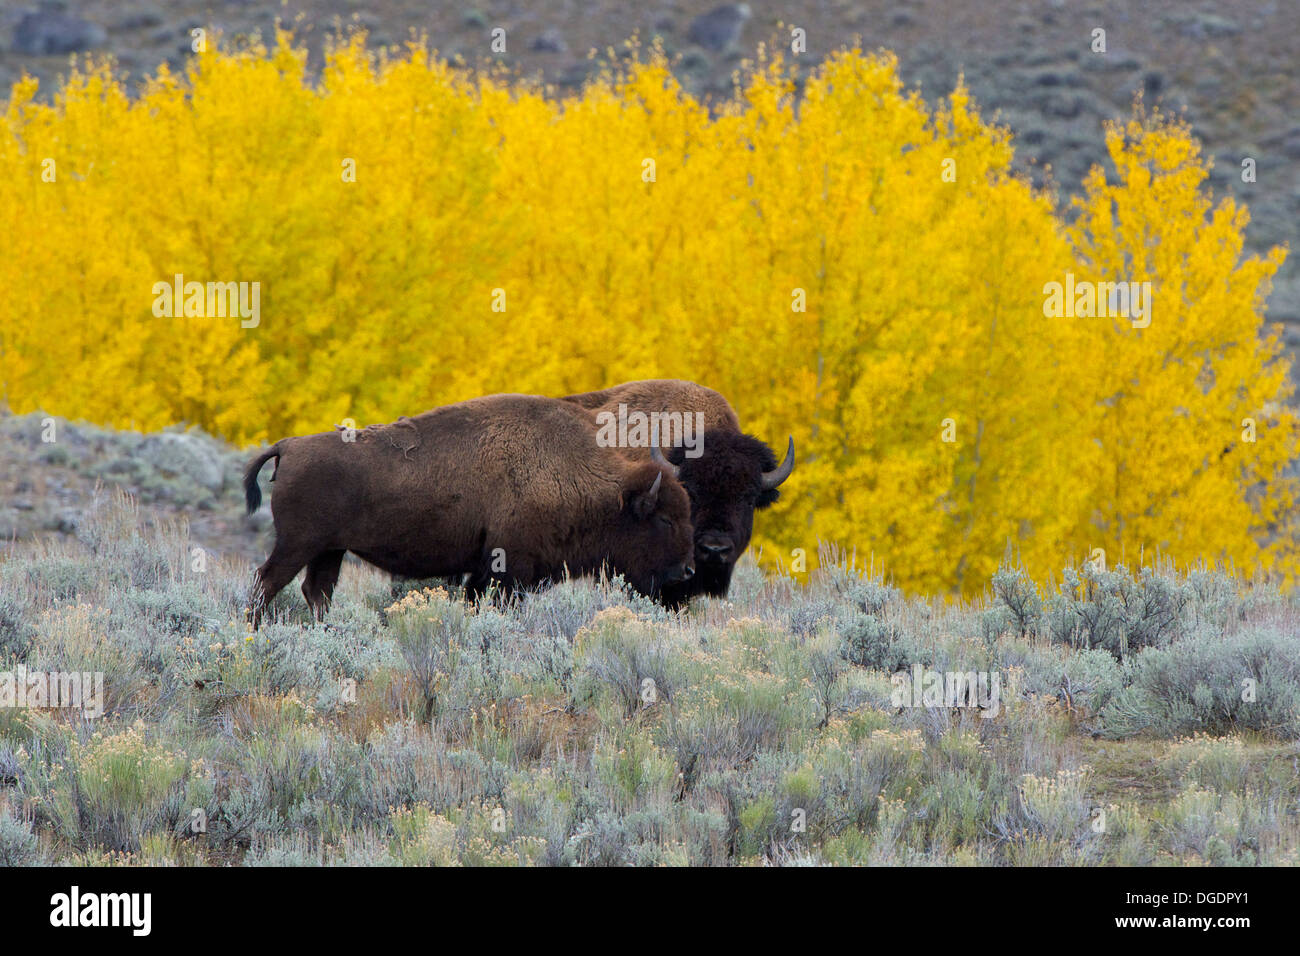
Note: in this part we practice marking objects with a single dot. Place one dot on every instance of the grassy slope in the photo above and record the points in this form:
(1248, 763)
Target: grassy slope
(424, 732)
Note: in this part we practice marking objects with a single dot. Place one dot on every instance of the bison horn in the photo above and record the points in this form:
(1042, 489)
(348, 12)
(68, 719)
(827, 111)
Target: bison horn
(772, 479)
(658, 458)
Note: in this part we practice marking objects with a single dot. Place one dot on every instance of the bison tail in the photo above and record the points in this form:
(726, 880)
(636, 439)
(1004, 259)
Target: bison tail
(252, 493)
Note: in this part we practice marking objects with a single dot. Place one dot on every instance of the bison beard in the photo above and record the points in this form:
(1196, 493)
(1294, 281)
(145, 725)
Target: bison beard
(509, 489)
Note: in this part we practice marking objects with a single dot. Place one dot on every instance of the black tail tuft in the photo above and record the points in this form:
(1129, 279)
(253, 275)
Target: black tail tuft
(252, 493)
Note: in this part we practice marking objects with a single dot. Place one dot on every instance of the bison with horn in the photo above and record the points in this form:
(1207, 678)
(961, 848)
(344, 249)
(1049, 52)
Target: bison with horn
(733, 475)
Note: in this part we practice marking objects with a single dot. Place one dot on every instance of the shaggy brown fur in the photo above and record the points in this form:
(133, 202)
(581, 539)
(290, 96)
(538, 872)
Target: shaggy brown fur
(663, 395)
(517, 480)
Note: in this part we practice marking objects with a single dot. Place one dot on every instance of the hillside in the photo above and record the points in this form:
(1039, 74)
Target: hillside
(50, 488)
(1125, 721)
(914, 665)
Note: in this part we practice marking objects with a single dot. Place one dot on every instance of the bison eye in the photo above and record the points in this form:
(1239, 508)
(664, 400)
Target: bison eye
(665, 521)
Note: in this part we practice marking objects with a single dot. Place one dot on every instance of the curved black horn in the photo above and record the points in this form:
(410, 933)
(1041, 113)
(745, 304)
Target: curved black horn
(658, 458)
(773, 478)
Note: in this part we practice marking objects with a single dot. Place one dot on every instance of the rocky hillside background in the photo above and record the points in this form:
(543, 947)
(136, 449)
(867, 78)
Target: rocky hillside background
(1230, 67)
(51, 486)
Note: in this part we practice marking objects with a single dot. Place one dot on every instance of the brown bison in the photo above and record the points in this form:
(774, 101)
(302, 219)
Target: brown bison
(727, 473)
(512, 489)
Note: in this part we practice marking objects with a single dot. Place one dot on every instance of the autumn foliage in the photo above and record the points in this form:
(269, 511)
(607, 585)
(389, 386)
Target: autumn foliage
(853, 266)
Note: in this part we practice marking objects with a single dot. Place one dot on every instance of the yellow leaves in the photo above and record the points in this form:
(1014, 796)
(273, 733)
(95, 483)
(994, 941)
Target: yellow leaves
(1176, 473)
(21, 97)
(855, 273)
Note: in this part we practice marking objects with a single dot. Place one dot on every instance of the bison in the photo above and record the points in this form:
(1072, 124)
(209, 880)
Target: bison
(512, 489)
(727, 473)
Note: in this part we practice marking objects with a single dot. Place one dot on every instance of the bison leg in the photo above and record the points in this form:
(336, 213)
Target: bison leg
(280, 568)
(318, 583)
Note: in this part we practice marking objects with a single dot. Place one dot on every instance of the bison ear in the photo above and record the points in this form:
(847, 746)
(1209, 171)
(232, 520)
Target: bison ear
(642, 500)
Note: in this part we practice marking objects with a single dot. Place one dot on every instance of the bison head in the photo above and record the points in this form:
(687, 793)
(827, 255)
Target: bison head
(735, 475)
(655, 541)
